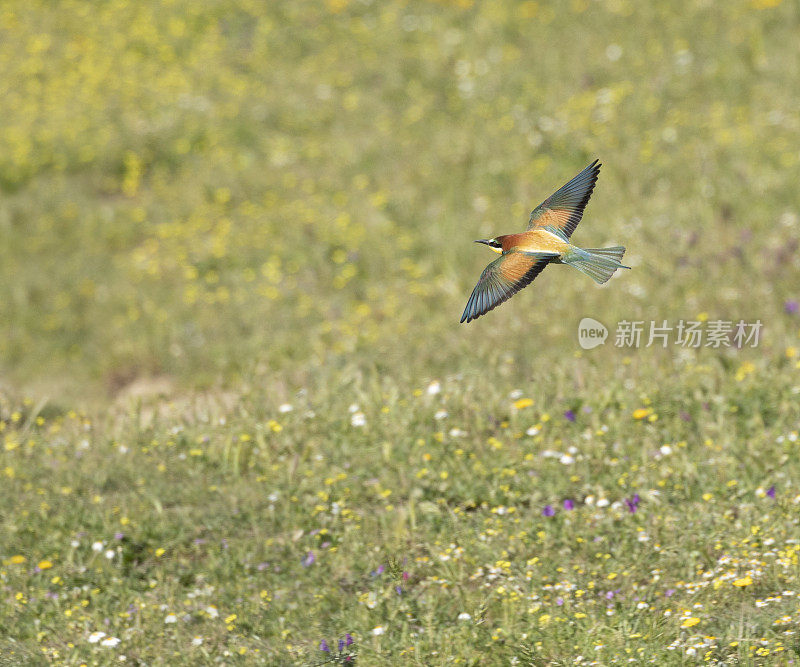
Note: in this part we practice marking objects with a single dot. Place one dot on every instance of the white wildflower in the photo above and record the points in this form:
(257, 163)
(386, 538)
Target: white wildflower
(613, 52)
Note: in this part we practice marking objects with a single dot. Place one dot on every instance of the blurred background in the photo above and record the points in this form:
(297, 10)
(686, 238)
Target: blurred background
(235, 191)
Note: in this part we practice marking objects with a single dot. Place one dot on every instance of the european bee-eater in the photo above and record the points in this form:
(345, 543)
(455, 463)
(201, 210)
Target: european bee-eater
(524, 255)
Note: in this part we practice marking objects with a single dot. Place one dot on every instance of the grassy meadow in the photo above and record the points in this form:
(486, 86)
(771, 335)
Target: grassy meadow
(240, 422)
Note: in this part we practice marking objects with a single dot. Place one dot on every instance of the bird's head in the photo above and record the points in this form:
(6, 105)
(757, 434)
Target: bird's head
(494, 244)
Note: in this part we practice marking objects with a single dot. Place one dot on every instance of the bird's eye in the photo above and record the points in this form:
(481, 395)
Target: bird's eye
(495, 243)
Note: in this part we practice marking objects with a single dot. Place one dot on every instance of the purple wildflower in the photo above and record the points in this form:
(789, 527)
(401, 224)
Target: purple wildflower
(348, 639)
(119, 536)
(569, 505)
(398, 590)
(380, 569)
(405, 578)
(341, 645)
(548, 510)
(771, 491)
(569, 415)
(609, 595)
(559, 601)
(632, 503)
(323, 646)
(309, 559)
(669, 592)
(262, 566)
(792, 307)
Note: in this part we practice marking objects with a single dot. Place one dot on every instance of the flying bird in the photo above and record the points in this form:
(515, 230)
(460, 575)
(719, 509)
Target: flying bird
(546, 240)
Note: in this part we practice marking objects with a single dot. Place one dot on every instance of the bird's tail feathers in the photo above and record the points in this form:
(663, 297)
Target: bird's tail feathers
(614, 252)
(597, 263)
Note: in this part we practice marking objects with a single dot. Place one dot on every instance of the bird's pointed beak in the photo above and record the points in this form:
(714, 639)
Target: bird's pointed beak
(484, 241)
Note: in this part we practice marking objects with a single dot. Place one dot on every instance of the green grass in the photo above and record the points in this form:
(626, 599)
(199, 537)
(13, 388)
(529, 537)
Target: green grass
(211, 210)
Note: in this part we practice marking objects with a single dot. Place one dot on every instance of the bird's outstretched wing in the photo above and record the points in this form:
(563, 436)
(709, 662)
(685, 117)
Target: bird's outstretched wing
(502, 279)
(564, 208)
